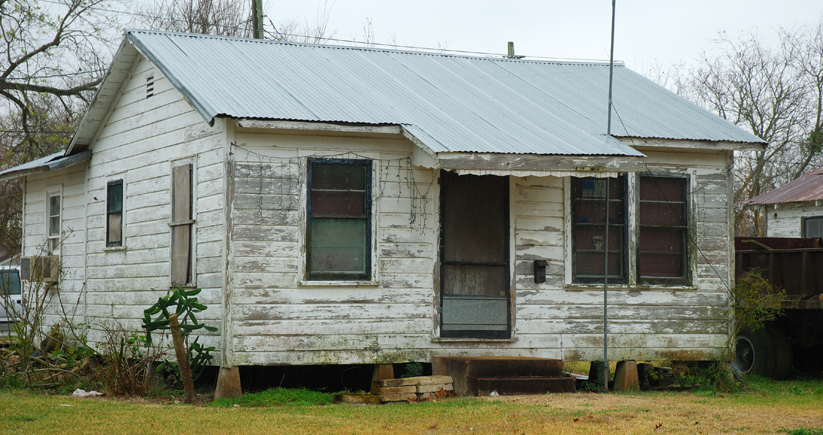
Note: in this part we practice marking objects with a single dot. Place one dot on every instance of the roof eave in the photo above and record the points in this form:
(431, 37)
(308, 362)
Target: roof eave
(708, 144)
(53, 164)
(107, 93)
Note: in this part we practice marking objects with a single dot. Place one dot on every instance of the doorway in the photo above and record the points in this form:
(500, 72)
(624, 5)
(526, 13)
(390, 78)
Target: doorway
(474, 256)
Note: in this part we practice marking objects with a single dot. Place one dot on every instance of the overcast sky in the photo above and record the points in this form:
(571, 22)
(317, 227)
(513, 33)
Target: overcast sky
(647, 31)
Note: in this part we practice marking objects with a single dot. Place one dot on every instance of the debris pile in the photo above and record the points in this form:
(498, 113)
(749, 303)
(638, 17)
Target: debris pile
(411, 389)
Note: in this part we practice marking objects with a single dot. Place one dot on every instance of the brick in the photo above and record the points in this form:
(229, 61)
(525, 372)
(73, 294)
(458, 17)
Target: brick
(431, 380)
(398, 397)
(418, 380)
(394, 390)
(625, 376)
(383, 371)
(434, 388)
(400, 382)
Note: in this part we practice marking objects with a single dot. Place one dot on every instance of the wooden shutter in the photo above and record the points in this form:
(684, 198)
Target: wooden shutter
(181, 222)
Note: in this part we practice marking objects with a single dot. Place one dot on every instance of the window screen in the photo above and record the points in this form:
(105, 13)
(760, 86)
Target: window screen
(114, 213)
(339, 220)
(589, 228)
(662, 219)
(813, 227)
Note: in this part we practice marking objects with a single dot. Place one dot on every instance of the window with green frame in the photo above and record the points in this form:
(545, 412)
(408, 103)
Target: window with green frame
(339, 220)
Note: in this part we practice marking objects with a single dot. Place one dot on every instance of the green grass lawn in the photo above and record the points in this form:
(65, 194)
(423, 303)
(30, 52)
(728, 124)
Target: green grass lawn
(767, 407)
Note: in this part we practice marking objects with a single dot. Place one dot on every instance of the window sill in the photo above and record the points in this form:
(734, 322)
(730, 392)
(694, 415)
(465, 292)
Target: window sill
(338, 283)
(624, 287)
(435, 339)
(114, 249)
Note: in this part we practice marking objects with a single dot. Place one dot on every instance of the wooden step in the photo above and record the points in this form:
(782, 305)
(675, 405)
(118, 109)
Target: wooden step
(467, 370)
(523, 385)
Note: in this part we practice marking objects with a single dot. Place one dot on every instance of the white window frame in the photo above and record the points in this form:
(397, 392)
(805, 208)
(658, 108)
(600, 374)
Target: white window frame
(53, 241)
(122, 179)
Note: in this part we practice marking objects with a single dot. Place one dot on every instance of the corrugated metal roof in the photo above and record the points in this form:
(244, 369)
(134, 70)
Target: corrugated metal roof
(49, 163)
(809, 187)
(450, 103)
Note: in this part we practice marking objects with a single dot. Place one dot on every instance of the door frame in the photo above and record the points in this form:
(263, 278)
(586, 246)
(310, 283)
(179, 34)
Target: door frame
(510, 268)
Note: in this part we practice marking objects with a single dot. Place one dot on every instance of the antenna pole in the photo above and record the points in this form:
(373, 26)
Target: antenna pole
(611, 73)
(606, 241)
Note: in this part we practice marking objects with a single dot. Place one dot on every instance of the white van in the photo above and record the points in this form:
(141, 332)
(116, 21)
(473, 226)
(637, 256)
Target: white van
(11, 297)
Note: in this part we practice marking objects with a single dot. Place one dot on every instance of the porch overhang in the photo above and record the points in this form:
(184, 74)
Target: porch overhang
(528, 165)
(427, 152)
(525, 165)
(51, 162)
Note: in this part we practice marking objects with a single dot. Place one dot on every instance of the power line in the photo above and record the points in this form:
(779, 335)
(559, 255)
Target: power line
(36, 131)
(56, 75)
(349, 41)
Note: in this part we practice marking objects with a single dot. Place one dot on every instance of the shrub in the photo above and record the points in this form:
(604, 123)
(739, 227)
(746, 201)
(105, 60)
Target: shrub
(412, 369)
(127, 362)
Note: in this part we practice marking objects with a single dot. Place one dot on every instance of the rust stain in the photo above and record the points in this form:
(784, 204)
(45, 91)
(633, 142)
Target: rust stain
(806, 188)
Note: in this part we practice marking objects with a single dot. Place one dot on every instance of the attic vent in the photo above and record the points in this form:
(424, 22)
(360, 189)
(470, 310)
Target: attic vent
(149, 86)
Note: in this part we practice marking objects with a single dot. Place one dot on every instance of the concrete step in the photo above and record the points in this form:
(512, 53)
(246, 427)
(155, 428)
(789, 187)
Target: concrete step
(466, 371)
(488, 367)
(516, 386)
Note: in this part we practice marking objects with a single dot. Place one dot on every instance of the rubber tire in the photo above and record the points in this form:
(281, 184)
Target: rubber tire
(754, 352)
(783, 356)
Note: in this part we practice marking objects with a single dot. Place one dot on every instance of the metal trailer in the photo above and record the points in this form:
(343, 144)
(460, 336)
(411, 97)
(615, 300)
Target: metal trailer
(795, 339)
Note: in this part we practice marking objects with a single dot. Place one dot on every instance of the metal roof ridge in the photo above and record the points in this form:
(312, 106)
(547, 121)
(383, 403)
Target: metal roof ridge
(569, 62)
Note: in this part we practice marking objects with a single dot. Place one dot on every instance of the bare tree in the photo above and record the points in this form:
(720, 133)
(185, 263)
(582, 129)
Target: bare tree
(775, 93)
(53, 58)
(230, 18)
(56, 53)
(215, 17)
(316, 32)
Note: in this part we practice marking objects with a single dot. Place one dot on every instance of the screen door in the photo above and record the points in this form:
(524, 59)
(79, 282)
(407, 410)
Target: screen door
(474, 256)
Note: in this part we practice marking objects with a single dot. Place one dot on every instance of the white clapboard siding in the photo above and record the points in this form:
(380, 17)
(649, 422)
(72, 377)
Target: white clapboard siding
(70, 182)
(786, 220)
(271, 312)
(141, 139)
(275, 320)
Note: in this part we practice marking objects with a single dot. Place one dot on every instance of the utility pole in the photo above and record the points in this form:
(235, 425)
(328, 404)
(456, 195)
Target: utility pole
(257, 18)
(606, 241)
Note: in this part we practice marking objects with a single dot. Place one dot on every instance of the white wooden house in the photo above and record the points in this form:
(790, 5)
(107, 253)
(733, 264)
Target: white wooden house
(353, 205)
(794, 209)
